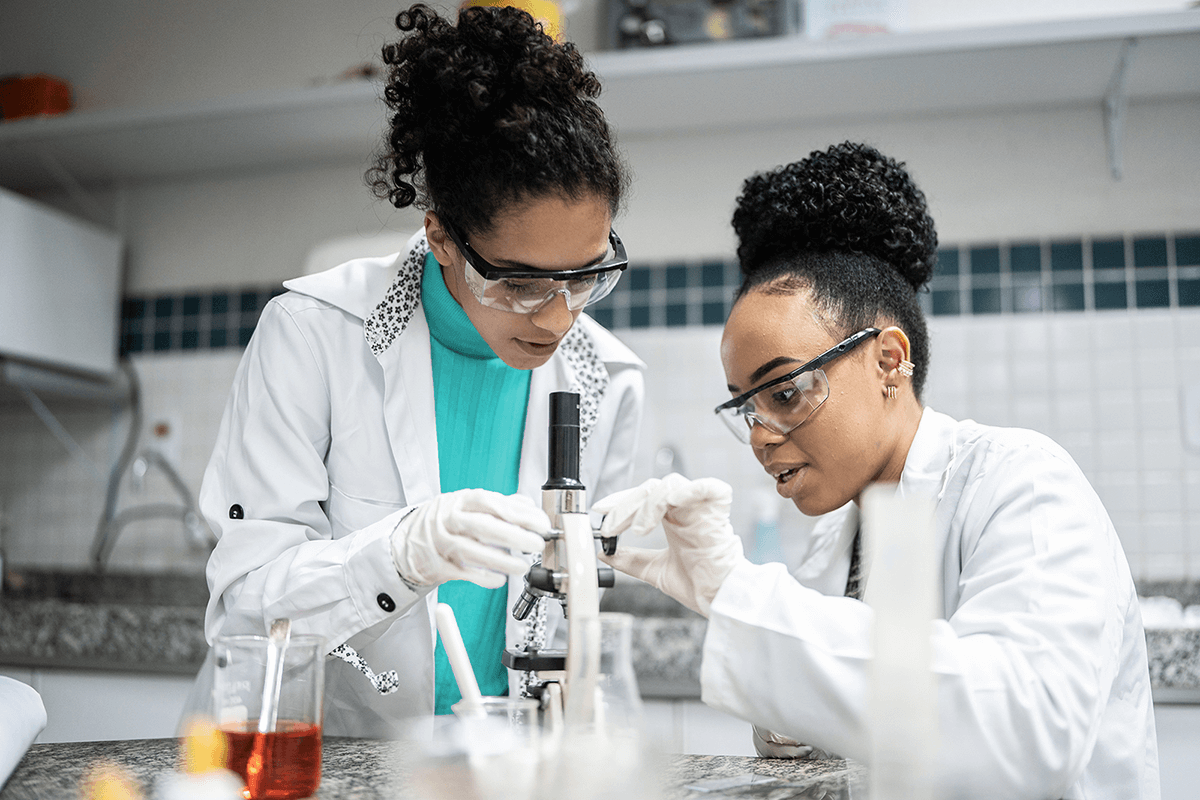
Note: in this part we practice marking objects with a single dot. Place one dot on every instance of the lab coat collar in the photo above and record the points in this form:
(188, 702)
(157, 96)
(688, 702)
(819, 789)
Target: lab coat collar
(929, 457)
(358, 286)
(925, 469)
(831, 539)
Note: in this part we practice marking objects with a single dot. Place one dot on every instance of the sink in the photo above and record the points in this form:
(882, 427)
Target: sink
(108, 588)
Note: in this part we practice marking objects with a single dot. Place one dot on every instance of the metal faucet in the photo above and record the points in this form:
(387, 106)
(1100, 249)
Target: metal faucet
(198, 535)
(111, 522)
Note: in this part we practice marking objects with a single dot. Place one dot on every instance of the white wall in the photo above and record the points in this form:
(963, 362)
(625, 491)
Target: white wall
(998, 176)
(1014, 173)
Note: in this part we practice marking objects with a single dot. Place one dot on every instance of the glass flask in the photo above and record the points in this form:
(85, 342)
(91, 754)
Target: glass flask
(601, 753)
(602, 661)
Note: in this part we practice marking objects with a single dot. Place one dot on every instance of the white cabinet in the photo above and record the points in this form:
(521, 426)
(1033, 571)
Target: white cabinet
(62, 281)
(1178, 729)
(692, 728)
(88, 706)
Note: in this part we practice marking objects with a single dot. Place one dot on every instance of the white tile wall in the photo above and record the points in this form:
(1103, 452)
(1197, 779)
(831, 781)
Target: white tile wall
(1105, 385)
(51, 501)
(684, 383)
(1111, 397)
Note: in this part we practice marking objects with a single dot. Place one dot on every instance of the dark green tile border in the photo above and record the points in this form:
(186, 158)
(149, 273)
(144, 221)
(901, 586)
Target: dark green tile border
(1021, 277)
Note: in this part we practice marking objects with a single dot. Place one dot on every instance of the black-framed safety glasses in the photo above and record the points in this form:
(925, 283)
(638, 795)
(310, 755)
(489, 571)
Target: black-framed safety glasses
(783, 404)
(525, 291)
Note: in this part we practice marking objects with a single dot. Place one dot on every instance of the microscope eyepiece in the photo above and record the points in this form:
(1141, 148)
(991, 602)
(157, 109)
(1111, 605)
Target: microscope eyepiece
(563, 442)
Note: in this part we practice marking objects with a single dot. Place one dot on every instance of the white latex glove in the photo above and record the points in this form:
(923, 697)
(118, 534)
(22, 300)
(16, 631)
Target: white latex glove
(465, 535)
(773, 745)
(702, 548)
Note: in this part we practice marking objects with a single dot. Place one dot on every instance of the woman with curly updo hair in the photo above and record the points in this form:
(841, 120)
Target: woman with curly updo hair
(1038, 650)
(384, 446)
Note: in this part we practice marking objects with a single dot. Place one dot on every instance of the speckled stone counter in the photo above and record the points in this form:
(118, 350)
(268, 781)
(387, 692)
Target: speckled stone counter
(53, 633)
(1174, 653)
(775, 778)
(154, 624)
(138, 622)
(355, 769)
(1174, 656)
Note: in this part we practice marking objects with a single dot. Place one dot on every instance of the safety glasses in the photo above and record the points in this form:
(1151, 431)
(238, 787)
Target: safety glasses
(525, 291)
(783, 404)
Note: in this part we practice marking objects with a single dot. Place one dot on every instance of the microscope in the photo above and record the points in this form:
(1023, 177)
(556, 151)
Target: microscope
(565, 681)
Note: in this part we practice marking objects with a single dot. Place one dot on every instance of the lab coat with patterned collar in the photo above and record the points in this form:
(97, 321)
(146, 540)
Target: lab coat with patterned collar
(1038, 647)
(329, 436)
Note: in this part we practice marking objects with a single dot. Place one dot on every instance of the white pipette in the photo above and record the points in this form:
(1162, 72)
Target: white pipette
(456, 652)
(278, 637)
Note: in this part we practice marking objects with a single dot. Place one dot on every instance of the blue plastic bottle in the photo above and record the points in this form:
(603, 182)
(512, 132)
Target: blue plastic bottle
(766, 529)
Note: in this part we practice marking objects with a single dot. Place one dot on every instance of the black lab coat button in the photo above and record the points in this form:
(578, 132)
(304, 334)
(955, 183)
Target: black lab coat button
(386, 602)
(235, 512)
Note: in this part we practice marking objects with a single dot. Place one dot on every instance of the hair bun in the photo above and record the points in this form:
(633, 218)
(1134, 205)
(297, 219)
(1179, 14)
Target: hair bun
(849, 198)
(487, 111)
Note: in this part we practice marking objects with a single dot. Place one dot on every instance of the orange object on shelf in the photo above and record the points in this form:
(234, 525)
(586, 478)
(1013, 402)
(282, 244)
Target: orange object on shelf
(33, 95)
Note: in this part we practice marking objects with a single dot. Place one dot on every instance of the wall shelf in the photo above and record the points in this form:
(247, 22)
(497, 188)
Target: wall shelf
(796, 80)
(646, 93)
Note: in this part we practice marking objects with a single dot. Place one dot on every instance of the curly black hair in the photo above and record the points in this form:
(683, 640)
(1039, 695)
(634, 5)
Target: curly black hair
(489, 112)
(850, 226)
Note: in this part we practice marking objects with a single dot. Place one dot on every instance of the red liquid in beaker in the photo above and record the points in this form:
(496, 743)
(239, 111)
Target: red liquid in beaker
(291, 759)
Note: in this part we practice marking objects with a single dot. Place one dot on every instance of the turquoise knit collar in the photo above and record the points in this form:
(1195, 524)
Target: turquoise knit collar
(448, 323)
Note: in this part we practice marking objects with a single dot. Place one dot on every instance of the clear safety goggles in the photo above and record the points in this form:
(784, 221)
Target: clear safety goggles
(526, 291)
(783, 404)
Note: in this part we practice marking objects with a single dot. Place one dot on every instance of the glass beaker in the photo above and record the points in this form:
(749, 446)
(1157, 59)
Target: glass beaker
(601, 752)
(502, 738)
(487, 752)
(291, 754)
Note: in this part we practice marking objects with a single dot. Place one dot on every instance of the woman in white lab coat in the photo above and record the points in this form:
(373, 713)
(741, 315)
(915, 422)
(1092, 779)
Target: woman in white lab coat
(385, 439)
(1038, 647)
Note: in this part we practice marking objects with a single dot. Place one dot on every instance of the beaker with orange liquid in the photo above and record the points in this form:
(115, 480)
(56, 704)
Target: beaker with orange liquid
(284, 763)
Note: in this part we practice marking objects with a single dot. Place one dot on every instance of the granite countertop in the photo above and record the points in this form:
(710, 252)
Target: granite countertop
(154, 624)
(150, 623)
(358, 769)
(1174, 653)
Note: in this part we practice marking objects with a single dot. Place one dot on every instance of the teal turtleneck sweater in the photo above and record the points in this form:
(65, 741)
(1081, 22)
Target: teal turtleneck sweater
(479, 406)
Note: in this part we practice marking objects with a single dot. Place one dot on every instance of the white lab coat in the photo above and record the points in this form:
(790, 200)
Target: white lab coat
(1039, 651)
(323, 443)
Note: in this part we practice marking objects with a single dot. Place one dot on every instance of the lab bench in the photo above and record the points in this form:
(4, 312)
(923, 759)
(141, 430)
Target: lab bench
(128, 634)
(153, 624)
(365, 769)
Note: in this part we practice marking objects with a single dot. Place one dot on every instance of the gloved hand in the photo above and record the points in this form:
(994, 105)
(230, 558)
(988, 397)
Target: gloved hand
(702, 548)
(773, 745)
(465, 535)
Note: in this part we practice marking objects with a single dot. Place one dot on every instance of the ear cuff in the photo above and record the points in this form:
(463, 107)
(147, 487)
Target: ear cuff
(905, 368)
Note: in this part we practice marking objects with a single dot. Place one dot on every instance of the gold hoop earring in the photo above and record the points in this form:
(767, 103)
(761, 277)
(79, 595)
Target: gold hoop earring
(905, 368)
(892, 393)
